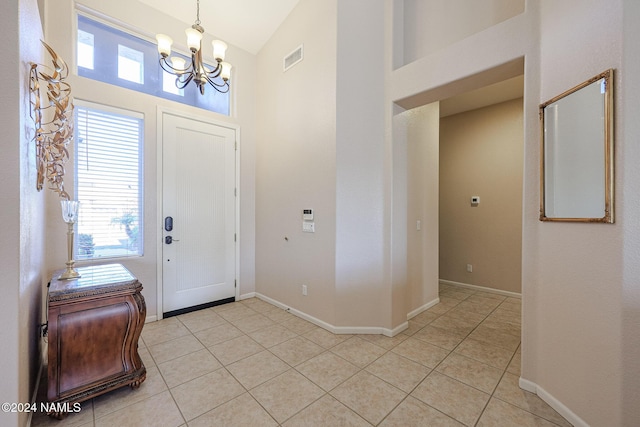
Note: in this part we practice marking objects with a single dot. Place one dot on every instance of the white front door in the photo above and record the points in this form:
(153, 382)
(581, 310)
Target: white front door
(198, 207)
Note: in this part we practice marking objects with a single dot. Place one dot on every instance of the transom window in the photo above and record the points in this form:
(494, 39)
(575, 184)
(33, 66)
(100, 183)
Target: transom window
(130, 64)
(113, 56)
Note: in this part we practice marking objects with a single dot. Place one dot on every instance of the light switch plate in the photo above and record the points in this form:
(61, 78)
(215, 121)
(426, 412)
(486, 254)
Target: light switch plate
(309, 227)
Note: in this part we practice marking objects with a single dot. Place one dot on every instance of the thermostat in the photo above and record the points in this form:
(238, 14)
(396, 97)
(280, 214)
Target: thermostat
(307, 214)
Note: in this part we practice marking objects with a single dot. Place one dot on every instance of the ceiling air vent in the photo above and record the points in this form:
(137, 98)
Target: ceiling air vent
(293, 58)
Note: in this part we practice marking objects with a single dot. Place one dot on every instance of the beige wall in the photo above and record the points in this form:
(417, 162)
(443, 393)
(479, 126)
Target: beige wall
(579, 281)
(296, 162)
(363, 197)
(481, 155)
(629, 212)
(322, 145)
(417, 132)
(577, 330)
(435, 24)
(10, 215)
(572, 286)
(22, 249)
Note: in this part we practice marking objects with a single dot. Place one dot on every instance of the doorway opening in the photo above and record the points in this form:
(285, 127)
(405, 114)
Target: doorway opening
(480, 188)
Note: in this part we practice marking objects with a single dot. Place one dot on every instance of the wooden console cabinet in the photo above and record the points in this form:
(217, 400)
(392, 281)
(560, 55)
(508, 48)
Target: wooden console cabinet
(95, 322)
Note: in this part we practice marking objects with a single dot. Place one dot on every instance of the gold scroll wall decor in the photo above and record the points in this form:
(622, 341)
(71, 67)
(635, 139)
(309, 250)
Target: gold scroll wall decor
(52, 113)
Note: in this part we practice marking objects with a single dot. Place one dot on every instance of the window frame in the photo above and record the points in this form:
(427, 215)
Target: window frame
(191, 96)
(96, 106)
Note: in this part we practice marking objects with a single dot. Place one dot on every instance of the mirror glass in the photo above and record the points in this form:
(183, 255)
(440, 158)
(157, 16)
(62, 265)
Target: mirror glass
(577, 153)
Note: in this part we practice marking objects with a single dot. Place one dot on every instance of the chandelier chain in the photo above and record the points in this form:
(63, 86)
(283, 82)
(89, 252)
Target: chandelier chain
(198, 13)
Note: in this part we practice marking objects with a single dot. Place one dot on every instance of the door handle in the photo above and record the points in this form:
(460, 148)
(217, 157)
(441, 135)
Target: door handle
(168, 240)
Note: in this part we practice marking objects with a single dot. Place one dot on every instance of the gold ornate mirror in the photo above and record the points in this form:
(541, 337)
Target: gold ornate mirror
(576, 177)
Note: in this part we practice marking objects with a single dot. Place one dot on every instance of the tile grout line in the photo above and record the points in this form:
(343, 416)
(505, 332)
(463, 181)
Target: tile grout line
(426, 376)
(223, 366)
(453, 350)
(329, 350)
(438, 364)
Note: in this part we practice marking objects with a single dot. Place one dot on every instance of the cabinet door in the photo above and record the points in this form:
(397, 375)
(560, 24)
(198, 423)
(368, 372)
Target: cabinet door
(89, 341)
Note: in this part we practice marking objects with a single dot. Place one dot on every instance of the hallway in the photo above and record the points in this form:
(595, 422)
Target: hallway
(250, 363)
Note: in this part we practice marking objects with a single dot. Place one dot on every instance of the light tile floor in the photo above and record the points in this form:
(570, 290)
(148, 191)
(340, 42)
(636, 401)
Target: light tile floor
(250, 363)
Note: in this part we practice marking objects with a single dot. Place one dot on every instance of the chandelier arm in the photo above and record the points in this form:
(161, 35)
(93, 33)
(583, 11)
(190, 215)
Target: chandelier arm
(215, 85)
(215, 72)
(196, 70)
(164, 64)
(181, 84)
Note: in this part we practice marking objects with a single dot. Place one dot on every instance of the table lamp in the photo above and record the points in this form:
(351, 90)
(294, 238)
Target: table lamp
(70, 216)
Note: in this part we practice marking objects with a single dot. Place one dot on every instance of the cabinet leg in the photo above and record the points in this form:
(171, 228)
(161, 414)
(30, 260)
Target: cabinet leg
(138, 381)
(58, 415)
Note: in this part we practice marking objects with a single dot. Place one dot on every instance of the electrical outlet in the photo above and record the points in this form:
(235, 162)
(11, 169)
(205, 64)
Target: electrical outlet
(469, 268)
(304, 290)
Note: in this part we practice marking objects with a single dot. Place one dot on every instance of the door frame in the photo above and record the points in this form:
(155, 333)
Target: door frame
(212, 120)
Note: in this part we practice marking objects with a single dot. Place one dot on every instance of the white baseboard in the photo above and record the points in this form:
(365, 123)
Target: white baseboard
(271, 301)
(372, 330)
(567, 413)
(527, 385)
(149, 319)
(422, 308)
(247, 295)
(398, 329)
(481, 288)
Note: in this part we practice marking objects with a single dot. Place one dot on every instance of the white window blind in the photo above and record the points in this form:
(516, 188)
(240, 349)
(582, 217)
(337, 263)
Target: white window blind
(108, 182)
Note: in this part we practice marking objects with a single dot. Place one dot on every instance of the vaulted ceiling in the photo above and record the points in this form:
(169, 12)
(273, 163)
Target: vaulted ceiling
(247, 24)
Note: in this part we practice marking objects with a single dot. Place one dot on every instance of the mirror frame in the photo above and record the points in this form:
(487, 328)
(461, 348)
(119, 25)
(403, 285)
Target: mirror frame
(607, 124)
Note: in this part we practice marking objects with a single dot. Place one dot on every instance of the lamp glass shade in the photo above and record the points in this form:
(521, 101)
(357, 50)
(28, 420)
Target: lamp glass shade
(178, 63)
(164, 44)
(219, 50)
(193, 39)
(69, 210)
(225, 73)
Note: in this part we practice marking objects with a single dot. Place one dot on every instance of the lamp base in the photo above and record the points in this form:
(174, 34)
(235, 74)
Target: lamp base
(69, 273)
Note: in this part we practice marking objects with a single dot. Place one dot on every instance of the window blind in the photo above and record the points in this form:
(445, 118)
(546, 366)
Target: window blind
(108, 182)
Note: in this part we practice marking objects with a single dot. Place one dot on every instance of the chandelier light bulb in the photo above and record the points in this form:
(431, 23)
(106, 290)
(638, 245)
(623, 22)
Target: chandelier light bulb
(193, 39)
(226, 71)
(179, 64)
(164, 44)
(219, 50)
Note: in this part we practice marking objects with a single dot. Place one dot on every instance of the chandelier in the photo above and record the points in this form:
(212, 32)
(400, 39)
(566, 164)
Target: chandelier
(196, 71)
